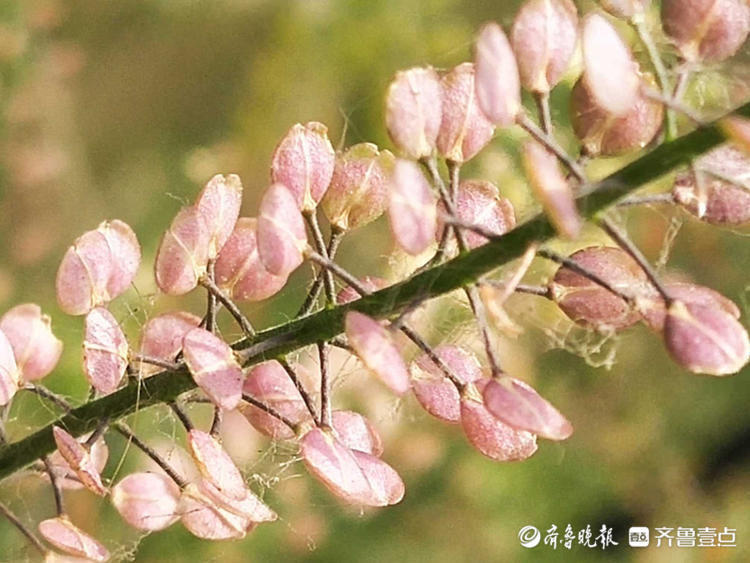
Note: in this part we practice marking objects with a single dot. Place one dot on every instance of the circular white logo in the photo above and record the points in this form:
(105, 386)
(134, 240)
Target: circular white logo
(529, 536)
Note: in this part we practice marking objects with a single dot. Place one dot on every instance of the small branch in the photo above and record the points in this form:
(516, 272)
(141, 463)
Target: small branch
(320, 246)
(49, 395)
(539, 290)
(216, 422)
(348, 278)
(98, 433)
(673, 105)
(13, 519)
(301, 388)
(551, 145)
(231, 306)
(269, 410)
(667, 198)
(427, 349)
(55, 486)
(545, 115)
(182, 415)
(454, 175)
(211, 301)
(325, 385)
(123, 429)
(158, 362)
(337, 236)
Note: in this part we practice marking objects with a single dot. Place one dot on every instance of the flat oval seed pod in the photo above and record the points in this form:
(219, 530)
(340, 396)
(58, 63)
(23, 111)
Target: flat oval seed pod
(249, 506)
(412, 208)
(79, 459)
(36, 349)
(66, 475)
(204, 518)
(162, 337)
(239, 269)
(370, 283)
(625, 8)
(183, 253)
(67, 537)
(654, 311)
(281, 231)
(498, 86)
(147, 501)
(10, 377)
(519, 406)
(374, 346)
(215, 465)
(105, 351)
(213, 367)
(125, 253)
(84, 274)
(386, 486)
(219, 204)
(356, 432)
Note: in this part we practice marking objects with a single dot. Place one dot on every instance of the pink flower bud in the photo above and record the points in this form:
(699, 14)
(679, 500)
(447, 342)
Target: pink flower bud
(239, 269)
(464, 129)
(519, 406)
(589, 304)
(498, 86)
(105, 351)
(281, 231)
(125, 254)
(654, 310)
(213, 367)
(66, 475)
(479, 202)
(356, 433)
(625, 8)
(10, 376)
(412, 209)
(725, 203)
(67, 537)
(604, 134)
(80, 461)
(544, 37)
(489, 435)
(386, 486)
(413, 111)
(706, 30)
(359, 188)
(335, 466)
(215, 465)
(378, 352)
(162, 336)
(303, 162)
(370, 283)
(610, 73)
(552, 189)
(183, 253)
(433, 390)
(270, 384)
(147, 501)
(36, 349)
(84, 274)
(705, 339)
(219, 204)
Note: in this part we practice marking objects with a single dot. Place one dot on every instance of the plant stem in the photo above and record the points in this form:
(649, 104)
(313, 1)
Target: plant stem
(545, 115)
(13, 519)
(325, 385)
(348, 278)
(301, 388)
(269, 410)
(312, 296)
(158, 362)
(551, 145)
(231, 306)
(320, 246)
(55, 486)
(650, 199)
(123, 429)
(211, 301)
(49, 395)
(98, 433)
(216, 421)
(437, 360)
(182, 415)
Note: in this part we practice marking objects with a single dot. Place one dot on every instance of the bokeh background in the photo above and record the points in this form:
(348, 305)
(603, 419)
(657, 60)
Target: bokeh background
(124, 109)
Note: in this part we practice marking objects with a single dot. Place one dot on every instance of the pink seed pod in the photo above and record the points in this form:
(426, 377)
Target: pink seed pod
(478, 202)
(654, 310)
(437, 395)
(544, 37)
(706, 30)
(67, 537)
(10, 376)
(183, 253)
(328, 460)
(413, 111)
(214, 368)
(589, 304)
(373, 344)
(105, 351)
(625, 8)
(705, 339)
(281, 231)
(125, 254)
(219, 204)
(66, 476)
(498, 85)
(464, 129)
(215, 465)
(303, 162)
(36, 349)
(725, 203)
(239, 269)
(386, 486)
(147, 501)
(519, 406)
(84, 274)
(610, 73)
(370, 283)
(489, 435)
(356, 433)
(551, 189)
(80, 461)
(359, 187)
(162, 336)
(270, 384)
(412, 208)
(604, 134)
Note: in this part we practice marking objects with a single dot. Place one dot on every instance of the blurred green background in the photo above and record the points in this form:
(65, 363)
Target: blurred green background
(124, 109)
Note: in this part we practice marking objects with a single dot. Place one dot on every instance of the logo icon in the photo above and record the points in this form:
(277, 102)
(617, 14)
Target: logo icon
(638, 536)
(529, 536)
